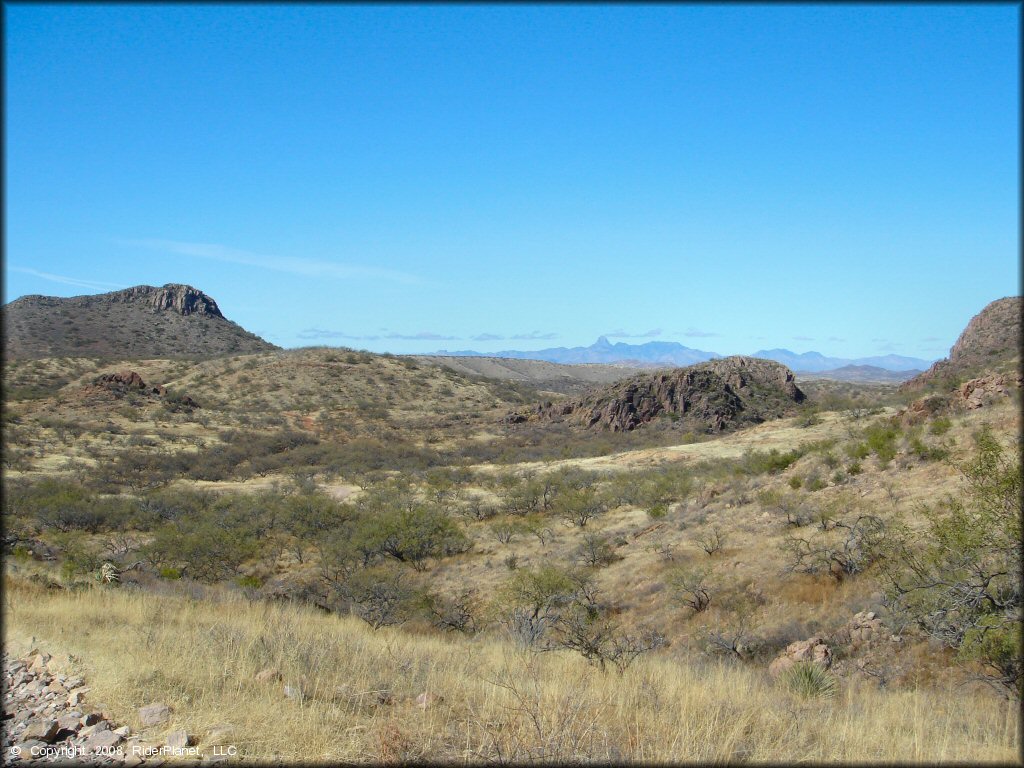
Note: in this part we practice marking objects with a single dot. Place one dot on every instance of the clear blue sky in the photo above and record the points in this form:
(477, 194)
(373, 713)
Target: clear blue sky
(401, 178)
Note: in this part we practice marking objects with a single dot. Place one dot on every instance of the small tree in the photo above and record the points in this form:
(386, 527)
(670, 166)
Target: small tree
(579, 506)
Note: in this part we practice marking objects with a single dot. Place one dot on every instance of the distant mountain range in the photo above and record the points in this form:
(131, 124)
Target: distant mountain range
(672, 353)
(653, 353)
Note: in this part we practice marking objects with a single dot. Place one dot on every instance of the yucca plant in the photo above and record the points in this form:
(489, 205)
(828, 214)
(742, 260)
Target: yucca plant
(809, 680)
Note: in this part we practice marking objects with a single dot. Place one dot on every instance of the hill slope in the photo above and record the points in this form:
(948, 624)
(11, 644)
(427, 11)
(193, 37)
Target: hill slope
(172, 321)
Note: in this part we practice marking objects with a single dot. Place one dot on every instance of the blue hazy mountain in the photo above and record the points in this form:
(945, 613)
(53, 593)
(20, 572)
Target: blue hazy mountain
(660, 353)
(815, 362)
(672, 353)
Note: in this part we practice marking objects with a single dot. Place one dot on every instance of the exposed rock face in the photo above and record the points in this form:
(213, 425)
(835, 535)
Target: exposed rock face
(174, 297)
(144, 321)
(813, 650)
(711, 396)
(991, 338)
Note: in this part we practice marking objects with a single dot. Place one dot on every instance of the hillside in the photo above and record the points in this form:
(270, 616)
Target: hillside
(990, 343)
(171, 321)
(708, 397)
(548, 376)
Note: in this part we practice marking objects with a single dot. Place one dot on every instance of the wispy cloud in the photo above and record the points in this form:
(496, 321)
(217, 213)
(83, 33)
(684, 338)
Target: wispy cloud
(321, 333)
(78, 282)
(487, 337)
(534, 336)
(803, 338)
(621, 334)
(835, 338)
(697, 333)
(294, 265)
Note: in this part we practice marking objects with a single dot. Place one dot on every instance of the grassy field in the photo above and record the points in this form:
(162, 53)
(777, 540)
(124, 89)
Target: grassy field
(495, 702)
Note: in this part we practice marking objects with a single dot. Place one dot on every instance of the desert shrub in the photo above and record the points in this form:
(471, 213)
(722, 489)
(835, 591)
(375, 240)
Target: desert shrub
(808, 680)
(208, 549)
(842, 547)
(531, 601)
(657, 511)
(940, 426)
(960, 582)
(412, 535)
(505, 531)
(712, 541)
(380, 596)
(691, 587)
(579, 506)
(881, 438)
(58, 505)
(461, 612)
(596, 550)
(767, 462)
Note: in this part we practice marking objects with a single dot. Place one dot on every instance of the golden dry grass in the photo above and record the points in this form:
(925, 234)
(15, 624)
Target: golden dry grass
(498, 703)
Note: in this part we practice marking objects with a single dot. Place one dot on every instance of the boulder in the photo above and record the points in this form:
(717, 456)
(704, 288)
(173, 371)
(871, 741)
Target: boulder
(42, 730)
(179, 739)
(813, 650)
(154, 714)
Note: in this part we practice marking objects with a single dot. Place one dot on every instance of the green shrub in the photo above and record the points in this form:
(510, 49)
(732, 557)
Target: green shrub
(809, 680)
(940, 426)
(658, 511)
(172, 574)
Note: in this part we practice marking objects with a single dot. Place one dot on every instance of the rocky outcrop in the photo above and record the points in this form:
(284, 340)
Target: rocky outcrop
(123, 383)
(992, 338)
(985, 390)
(711, 397)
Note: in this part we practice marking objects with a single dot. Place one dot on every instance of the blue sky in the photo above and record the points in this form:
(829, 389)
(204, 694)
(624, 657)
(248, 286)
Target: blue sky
(402, 178)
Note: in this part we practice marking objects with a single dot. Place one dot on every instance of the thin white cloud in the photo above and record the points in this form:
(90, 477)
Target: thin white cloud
(78, 282)
(621, 334)
(487, 337)
(803, 338)
(292, 264)
(697, 333)
(534, 336)
(322, 333)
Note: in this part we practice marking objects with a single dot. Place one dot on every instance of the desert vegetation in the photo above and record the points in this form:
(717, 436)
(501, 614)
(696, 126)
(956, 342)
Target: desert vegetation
(372, 544)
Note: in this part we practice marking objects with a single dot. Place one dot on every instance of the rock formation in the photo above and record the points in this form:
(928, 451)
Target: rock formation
(713, 396)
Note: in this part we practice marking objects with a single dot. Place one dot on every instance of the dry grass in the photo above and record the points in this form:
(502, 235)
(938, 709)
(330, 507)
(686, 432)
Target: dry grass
(499, 703)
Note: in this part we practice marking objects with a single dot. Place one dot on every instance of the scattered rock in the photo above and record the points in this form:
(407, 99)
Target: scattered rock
(154, 714)
(269, 675)
(427, 699)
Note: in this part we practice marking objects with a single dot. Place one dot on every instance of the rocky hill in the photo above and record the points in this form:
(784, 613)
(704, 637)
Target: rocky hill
(990, 342)
(713, 396)
(172, 321)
